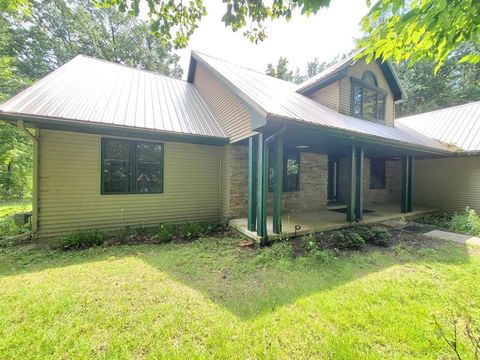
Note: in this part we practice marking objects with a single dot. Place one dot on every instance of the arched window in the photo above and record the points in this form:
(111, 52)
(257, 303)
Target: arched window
(369, 78)
(368, 100)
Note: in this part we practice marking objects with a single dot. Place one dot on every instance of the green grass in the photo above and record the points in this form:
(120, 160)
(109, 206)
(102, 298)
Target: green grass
(9, 208)
(213, 299)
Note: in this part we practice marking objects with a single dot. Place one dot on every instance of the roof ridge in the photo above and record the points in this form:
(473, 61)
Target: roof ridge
(240, 66)
(438, 110)
(126, 66)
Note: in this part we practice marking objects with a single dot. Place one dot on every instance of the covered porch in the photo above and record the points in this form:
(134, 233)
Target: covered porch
(306, 222)
(266, 213)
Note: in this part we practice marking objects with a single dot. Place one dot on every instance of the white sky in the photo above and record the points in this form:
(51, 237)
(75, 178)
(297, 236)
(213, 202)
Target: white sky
(329, 33)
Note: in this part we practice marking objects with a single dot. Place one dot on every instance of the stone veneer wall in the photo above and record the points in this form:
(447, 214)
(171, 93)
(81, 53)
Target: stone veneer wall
(391, 193)
(313, 184)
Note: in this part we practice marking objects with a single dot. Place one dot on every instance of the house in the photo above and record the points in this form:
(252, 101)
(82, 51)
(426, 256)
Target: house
(117, 146)
(451, 183)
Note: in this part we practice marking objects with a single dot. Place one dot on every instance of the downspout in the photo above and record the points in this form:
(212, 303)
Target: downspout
(35, 140)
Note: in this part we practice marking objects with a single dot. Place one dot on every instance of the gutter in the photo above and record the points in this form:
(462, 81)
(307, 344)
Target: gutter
(35, 140)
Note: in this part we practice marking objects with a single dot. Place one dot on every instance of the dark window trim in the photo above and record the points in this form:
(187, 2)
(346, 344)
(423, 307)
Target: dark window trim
(355, 81)
(285, 162)
(285, 157)
(134, 167)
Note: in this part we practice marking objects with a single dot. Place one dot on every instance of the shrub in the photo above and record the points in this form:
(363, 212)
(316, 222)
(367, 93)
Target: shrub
(164, 233)
(8, 227)
(190, 230)
(82, 239)
(347, 240)
(467, 222)
(123, 235)
(309, 242)
(380, 236)
(438, 220)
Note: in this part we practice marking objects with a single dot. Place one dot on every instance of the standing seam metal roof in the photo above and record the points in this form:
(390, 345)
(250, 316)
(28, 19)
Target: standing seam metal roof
(279, 98)
(457, 125)
(97, 91)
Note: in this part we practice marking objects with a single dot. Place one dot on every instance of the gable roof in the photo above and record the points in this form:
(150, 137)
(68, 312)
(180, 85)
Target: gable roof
(87, 90)
(457, 125)
(339, 69)
(275, 98)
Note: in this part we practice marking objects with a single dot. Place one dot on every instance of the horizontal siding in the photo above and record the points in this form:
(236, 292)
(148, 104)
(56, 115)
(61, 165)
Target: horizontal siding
(357, 71)
(231, 113)
(448, 184)
(328, 96)
(69, 187)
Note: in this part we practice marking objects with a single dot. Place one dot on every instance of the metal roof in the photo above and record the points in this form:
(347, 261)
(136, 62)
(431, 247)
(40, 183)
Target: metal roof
(458, 125)
(100, 92)
(337, 69)
(278, 98)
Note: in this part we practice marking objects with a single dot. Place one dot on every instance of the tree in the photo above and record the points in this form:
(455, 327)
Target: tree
(281, 71)
(454, 84)
(50, 33)
(414, 30)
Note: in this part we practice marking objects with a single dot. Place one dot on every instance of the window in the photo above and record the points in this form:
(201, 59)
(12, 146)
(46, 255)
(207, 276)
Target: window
(368, 101)
(291, 172)
(377, 174)
(131, 167)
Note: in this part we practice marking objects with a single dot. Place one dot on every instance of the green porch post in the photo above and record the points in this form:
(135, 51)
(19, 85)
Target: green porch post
(407, 184)
(410, 185)
(262, 163)
(351, 186)
(277, 184)
(359, 184)
(252, 183)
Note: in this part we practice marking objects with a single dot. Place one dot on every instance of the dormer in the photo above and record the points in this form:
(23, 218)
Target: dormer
(367, 91)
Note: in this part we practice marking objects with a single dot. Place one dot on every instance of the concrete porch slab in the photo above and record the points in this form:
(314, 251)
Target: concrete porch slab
(459, 238)
(301, 223)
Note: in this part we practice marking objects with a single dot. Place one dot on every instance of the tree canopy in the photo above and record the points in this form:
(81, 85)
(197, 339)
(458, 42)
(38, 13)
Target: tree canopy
(412, 30)
(42, 36)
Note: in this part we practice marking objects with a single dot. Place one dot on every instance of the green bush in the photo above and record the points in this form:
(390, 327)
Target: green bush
(164, 233)
(80, 239)
(309, 242)
(467, 222)
(8, 227)
(347, 240)
(190, 230)
(377, 235)
(438, 220)
(380, 236)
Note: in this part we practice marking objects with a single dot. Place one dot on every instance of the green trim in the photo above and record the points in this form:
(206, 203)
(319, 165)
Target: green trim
(359, 184)
(252, 187)
(407, 184)
(261, 189)
(278, 162)
(351, 186)
(134, 168)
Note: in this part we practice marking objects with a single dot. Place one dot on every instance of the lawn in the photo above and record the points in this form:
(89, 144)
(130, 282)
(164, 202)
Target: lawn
(213, 299)
(8, 208)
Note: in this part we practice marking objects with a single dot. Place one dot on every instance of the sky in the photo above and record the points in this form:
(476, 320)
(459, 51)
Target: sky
(329, 33)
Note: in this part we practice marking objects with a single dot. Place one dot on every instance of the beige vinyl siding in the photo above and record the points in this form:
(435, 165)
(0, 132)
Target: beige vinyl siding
(448, 184)
(69, 187)
(357, 71)
(231, 113)
(328, 96)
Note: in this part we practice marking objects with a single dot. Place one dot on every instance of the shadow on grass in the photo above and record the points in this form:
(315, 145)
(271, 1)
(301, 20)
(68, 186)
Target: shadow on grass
(246, 282)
